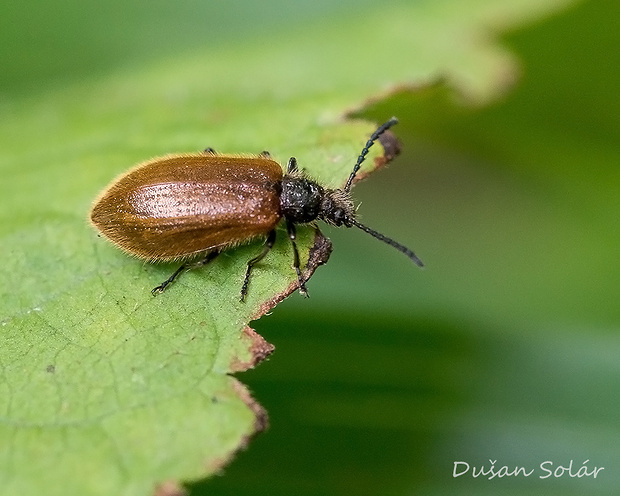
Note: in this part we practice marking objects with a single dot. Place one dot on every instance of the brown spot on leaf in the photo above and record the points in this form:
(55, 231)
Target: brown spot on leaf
(391, 148)
(259, 350)
(261, 418)
(169, 488)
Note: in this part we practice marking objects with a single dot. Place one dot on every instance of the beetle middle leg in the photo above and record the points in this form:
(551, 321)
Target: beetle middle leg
(183, 268)
(292, 235)
(271, 239)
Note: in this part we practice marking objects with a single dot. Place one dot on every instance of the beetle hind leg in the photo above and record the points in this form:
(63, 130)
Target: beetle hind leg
(271, 239)
(162, 287)
(183, 268)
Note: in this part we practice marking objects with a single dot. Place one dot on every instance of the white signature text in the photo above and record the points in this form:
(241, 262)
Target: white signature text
(543, 471)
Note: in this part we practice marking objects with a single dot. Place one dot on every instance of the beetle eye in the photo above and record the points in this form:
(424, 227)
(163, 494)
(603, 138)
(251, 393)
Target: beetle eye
(339, 216)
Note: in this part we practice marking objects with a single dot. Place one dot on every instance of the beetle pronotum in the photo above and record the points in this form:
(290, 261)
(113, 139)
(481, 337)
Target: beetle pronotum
(179, 206)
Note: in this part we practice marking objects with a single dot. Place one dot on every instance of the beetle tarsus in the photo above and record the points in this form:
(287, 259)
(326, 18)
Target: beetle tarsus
(162, 287)
(159, 289)
(302, 286)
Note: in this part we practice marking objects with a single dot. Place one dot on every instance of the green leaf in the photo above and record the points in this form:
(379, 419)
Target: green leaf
(107, 390)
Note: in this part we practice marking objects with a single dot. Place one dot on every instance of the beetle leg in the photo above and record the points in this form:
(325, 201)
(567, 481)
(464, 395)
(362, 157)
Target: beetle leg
(185, 267)
(271, 239)
(292, 165)
(292, 234)
(264, 154)
(209, 151)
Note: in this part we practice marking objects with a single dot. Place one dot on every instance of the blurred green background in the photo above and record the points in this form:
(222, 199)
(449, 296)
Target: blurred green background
(506, 347)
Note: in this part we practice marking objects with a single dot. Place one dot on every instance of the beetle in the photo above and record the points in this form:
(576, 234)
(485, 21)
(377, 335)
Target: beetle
(180, 206)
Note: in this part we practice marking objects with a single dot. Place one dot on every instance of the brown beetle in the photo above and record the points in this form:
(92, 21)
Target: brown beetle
(179, 206)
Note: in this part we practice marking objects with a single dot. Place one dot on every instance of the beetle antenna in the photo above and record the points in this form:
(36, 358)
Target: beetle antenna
(389, 241)
(375, 136)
